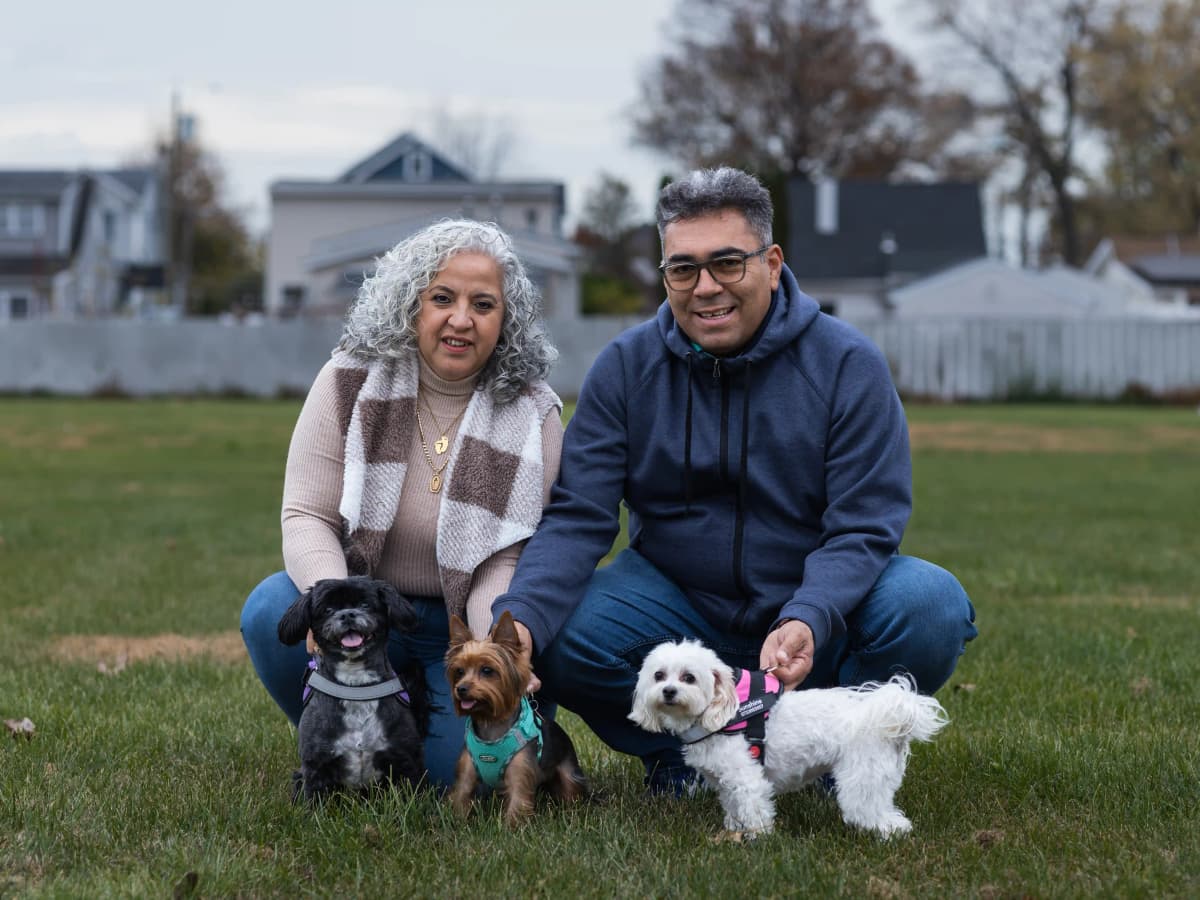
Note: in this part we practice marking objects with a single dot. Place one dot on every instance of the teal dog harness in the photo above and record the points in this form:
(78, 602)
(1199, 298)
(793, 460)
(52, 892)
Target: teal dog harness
(491, 758)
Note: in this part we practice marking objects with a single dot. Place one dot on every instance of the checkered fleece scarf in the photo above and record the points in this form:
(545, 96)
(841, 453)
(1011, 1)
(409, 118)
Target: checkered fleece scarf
(492, 493)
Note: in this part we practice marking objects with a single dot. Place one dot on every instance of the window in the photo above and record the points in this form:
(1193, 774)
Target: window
(22, 219)
(18, 307)
(417, 166)
(110, 226)
(531, 218)
(293, 299)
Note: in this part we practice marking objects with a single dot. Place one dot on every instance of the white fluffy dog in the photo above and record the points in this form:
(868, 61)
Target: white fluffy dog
(859, 735)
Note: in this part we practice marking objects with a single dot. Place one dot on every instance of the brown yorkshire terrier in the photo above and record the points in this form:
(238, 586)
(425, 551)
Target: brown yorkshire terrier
(508, 745)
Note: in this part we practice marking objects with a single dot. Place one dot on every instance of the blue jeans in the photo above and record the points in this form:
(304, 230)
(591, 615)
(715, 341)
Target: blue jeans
(917, 618)
(281, 668)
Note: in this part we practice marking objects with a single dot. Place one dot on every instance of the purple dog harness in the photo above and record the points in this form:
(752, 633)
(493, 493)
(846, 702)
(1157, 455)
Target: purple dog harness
(315, 681)
(757, 692)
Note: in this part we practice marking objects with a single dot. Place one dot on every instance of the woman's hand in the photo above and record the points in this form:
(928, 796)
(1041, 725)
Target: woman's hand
(535, 683)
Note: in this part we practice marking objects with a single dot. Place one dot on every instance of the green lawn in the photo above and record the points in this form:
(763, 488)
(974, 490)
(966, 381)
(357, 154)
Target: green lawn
(1070, 767)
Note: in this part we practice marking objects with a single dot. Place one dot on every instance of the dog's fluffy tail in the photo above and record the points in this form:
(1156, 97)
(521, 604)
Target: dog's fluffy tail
(895, 709)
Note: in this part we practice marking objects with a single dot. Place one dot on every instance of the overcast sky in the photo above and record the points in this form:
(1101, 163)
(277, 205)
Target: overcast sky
(306, 89)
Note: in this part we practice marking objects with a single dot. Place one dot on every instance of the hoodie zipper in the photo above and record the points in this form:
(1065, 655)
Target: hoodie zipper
(739, 573)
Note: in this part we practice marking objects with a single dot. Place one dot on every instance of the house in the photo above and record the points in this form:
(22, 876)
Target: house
(79, 243)
(1170, 265)
(991, 289)
(326, 235)
(852, 243)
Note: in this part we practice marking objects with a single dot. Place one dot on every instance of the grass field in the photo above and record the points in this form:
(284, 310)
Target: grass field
(131, 532)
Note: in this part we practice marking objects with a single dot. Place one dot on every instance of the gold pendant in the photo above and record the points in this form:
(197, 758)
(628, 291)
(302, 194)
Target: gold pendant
(441, 444)
(435, 484)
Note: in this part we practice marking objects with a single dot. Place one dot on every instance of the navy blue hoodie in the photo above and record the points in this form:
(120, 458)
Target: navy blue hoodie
(772, 484)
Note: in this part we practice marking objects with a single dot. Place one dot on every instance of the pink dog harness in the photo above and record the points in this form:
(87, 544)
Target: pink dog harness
(757, 692)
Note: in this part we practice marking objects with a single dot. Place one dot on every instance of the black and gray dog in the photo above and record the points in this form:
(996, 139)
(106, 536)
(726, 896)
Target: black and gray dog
(361, 724)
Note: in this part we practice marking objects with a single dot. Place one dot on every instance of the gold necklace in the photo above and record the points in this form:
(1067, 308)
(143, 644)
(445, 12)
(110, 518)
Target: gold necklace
(435, 483)
(442, 444)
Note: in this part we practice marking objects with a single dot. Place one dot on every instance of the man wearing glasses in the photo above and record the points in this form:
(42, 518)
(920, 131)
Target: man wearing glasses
(762, 453)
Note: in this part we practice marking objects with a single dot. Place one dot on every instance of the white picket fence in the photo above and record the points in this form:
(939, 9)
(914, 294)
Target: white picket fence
(945, 360)
(995, 359)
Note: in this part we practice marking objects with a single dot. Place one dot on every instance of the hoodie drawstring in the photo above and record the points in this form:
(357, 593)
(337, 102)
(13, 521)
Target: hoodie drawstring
(687, 442)
(743, 480)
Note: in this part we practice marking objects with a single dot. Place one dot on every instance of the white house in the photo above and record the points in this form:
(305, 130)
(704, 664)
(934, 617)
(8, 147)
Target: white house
(79, 243)
(990, 289)
(326, 235)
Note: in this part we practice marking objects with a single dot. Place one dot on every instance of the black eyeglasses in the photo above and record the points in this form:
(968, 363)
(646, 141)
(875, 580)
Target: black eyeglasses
(727, 269)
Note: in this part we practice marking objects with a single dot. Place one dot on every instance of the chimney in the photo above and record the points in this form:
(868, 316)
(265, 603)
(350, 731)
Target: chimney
(827, 206)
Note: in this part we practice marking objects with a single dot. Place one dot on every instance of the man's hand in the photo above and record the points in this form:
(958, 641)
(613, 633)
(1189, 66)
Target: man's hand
(310, 643)
(535, 683)
(790, 649)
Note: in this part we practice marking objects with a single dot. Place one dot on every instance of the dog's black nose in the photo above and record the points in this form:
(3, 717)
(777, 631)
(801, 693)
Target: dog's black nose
(669, 693)
(461, 690)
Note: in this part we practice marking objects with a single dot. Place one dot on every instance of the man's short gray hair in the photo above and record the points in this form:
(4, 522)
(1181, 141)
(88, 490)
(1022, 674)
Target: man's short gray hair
(383, 319)
(705, 191)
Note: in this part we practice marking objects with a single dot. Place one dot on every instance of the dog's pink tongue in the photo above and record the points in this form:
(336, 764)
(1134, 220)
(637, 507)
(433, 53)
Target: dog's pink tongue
(351, 640)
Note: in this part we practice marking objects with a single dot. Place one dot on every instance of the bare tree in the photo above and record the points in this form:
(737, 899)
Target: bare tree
(608, 208)
(1030, 56)
(798, 87)
(1148, 117)
(479, 142)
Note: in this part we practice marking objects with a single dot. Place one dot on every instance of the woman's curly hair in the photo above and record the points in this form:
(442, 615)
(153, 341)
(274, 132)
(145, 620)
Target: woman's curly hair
(382, 321)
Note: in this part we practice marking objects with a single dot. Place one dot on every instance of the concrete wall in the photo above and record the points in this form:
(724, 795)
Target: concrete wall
(204, 356)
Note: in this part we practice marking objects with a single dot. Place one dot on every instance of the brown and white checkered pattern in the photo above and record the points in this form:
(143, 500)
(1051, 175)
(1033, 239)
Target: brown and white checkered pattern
(493, 490)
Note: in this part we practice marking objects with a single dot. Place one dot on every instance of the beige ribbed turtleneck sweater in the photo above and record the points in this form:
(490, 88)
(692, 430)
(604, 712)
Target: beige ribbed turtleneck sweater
(312, 493)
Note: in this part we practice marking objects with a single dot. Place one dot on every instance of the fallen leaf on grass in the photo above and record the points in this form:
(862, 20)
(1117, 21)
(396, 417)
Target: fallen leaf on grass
(989, 837)
(20, 728)
(966, 687)
(1140, 686)
(186, 886)
(883, 889)
(116, 668)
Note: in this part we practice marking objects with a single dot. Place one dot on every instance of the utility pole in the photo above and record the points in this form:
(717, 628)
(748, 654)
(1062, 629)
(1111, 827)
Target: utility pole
(179, 214)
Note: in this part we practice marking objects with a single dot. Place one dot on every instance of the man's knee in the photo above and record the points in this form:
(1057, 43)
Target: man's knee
(918, 619)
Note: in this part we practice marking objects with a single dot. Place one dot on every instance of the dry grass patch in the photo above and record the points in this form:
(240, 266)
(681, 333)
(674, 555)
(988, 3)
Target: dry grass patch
(1177, 603)
(116, 649)
(991, 437)
(64, 437)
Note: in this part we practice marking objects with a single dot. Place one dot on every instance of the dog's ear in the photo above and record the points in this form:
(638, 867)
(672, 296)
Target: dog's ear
(459, 632)
(643, 714)
(401, 614)
(296, 622)
(505, 632)
(724, 701)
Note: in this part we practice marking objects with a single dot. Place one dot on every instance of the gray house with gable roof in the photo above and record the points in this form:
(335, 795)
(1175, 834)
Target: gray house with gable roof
(851, 243)
(79, 243)
(326, 235)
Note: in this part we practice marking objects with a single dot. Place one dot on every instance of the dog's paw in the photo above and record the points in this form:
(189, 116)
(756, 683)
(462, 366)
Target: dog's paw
(738, 837)
(897, 825)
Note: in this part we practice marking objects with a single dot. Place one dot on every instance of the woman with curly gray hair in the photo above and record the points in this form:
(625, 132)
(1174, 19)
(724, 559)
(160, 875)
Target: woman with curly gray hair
(423, 456)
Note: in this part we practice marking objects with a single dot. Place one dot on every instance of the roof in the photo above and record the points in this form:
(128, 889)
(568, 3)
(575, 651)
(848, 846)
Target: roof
(835, 230)
(48, 184)
(134, 179)
(33, 183)
(394, 162)
(1181, 268)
